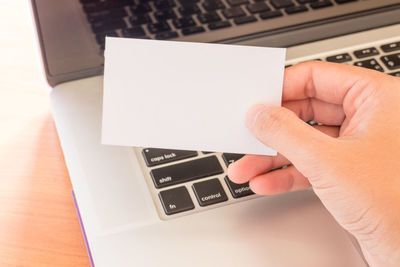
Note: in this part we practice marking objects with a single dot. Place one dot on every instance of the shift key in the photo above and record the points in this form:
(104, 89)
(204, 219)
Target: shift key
(186, 171)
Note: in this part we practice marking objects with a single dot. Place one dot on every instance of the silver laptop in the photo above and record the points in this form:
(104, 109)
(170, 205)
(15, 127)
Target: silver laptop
(158, 207)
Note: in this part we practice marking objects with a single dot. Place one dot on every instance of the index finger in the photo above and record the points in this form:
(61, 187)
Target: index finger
(329, 82)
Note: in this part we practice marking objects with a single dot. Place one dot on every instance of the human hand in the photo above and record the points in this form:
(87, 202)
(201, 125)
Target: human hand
(352, 161)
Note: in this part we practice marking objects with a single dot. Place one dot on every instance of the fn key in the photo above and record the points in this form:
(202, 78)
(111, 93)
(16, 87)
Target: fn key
(176, 200)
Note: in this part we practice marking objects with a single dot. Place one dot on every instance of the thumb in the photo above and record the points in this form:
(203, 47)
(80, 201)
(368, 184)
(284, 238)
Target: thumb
(282, 130)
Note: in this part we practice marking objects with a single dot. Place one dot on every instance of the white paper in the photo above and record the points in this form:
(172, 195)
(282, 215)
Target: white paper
(191, 96)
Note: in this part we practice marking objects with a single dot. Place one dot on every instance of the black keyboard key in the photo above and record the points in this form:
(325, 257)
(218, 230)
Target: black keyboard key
(238, 190)
(282, 3)
(139, 19)
(157, 156)
(320, 4)
(186, 2)
(244, 19)
(187, 10)
(258, 7)
(164, 4)
(211, 5)
(186, 171)
(366, 52)
(88, 1)
(344, 1)
(208, 17)
(158, 27)
(219, 25)
(231, 157)
(133, 32)
(391, 47)
(164, 14)
(339, 58)
(101, 37)
(184, 22)
(209, 192)
(296, 9)
(166, 35)
(395, 74)
(270, 14)
(106, 5)
(108, 25)
(237, 2)
(140, 8)
(369, 64)
(392, 62)
(176, 200)
(192, 30)
(106, 15)
(233, 12)
(305, 1)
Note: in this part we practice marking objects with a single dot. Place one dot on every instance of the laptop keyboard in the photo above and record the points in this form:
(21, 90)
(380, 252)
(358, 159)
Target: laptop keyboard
(182, 168)
(169, 19)
(371, 58)
(183, 182)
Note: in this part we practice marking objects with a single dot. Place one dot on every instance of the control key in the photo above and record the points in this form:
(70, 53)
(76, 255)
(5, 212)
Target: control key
(209, 192)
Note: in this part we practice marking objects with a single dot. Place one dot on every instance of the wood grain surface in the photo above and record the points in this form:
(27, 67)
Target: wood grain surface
(38, 222)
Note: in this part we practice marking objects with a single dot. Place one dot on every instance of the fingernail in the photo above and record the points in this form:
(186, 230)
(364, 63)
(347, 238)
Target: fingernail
(253, 113)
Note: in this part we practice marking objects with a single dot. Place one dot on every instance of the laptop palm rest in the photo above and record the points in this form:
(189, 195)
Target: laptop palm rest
(123, 227)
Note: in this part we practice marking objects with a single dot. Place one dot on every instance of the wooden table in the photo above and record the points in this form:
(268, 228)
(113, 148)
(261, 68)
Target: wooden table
(38, 222)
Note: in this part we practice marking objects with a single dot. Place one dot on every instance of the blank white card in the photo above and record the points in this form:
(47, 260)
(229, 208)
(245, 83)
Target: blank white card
(191, 96)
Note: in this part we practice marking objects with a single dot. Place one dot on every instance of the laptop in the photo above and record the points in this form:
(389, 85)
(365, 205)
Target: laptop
(158, 207)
